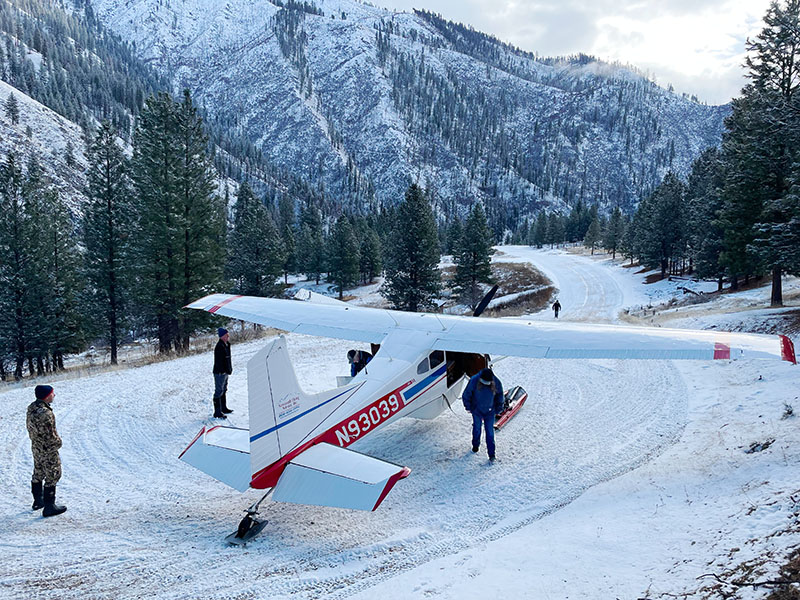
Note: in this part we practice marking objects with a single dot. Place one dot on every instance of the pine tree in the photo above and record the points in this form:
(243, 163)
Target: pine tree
(158, 246)
(413, 279)
(592, 237)
(180, 245)
(287, 227)
(371, 257)
(774, 67)
(614, 231)
(473, 258)
(704, 201)
(454, 233)
(109, 227)
(661, 228)
(539, 231)
(748, 158)
(12, 109)
(311, 244)
(64, 307)
(201, 220)
(15, 294)
(255, 258)
(343, 255)
(555, 229)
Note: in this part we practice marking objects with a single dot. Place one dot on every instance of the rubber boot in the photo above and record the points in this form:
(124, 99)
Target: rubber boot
(224, 404)
(38, 499)
(50, 507)
(218, 409)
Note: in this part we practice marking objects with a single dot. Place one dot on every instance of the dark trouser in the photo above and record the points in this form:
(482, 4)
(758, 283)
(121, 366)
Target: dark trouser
(555, 311)
(220, 384)
(46, 468)
(487, 422)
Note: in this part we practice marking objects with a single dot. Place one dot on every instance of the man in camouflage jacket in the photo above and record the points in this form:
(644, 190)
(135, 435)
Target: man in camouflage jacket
(45, 443)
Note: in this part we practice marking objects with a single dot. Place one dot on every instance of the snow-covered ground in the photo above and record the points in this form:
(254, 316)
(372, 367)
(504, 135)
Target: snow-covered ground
(616, 480)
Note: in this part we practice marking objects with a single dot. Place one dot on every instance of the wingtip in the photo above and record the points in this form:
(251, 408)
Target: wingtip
(402, 474)
(787, 349)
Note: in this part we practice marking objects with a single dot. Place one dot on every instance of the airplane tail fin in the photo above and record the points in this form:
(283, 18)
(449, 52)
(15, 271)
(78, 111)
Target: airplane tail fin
(282, 416)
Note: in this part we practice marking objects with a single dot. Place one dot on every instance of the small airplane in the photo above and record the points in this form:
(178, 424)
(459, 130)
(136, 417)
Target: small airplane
(297, 444)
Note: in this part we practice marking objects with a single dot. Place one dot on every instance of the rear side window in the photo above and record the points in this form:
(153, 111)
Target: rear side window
(423, 366)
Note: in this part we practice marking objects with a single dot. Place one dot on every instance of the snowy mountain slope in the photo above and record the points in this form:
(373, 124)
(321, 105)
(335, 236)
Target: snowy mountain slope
(50, 135)
(365, 100)
(668, 440)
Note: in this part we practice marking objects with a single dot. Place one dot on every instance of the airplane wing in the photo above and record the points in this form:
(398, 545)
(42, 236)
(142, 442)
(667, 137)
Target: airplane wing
(506, 337)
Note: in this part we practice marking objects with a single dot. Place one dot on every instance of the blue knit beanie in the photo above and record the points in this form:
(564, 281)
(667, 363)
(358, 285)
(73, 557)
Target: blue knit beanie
(487, 377)
(221, 331)
(43, 391)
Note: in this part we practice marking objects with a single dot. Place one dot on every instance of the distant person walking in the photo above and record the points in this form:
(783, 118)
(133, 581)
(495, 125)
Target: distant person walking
(556, 308)
(222, 370)
(45, 443)
(483, 398)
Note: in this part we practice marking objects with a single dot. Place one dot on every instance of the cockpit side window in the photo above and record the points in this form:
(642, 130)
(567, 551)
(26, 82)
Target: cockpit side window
(436, 358)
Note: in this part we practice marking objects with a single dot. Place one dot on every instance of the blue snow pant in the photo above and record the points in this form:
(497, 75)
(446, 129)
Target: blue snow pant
(487, 422)
(220, 384)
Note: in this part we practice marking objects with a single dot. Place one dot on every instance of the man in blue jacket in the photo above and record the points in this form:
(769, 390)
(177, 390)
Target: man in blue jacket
(483, 397)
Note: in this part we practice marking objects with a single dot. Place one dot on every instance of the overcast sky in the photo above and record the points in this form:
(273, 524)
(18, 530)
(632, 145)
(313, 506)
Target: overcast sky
(696, 45)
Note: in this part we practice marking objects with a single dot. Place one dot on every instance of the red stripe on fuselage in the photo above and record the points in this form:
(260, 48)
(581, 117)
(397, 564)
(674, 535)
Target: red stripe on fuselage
(215, 308)
(268, 476)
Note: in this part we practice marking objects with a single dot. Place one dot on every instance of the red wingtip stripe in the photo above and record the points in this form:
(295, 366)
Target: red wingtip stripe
(405, 472)
(215, 308)
(202, 431)
(722, 351)
(787, 350)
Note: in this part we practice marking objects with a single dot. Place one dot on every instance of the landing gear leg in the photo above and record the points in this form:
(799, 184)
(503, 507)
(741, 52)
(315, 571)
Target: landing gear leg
(249, 526)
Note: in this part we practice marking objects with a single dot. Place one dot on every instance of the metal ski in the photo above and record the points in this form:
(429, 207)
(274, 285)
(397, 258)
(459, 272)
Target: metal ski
(249, 526)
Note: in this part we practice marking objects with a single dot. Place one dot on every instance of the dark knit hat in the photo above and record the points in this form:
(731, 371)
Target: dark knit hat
(43, 391)
(221, 331)
(487, 377)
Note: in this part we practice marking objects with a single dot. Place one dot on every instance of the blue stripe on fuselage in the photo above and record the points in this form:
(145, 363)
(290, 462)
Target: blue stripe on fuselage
(271, 429)
(412, 391)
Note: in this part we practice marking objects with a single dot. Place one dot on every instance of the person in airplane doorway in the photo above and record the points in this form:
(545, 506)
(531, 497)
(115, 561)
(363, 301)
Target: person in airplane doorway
(222, 370)
(358, 359)
(45, 443)
(483, 398)
(556, 307)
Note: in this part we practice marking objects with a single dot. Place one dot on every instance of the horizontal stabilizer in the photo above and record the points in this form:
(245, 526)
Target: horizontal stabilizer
(223, 453)
(326, 475)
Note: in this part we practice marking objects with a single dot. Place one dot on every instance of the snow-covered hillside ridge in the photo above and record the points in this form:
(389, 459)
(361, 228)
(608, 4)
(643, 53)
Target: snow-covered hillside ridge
(50, 137)
(361, 98)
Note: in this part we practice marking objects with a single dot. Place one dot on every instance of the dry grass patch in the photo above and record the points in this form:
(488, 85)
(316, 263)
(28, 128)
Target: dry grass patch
(534, 289)
(524, 305)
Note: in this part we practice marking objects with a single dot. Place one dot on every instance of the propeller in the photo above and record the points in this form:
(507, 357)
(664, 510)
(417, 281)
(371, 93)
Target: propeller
(485, 302)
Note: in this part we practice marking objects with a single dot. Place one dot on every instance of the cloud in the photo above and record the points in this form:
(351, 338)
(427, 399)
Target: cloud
(698, 45)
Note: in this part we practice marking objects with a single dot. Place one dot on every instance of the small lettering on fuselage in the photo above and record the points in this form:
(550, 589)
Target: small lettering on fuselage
(367, 419)
(288, 406)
